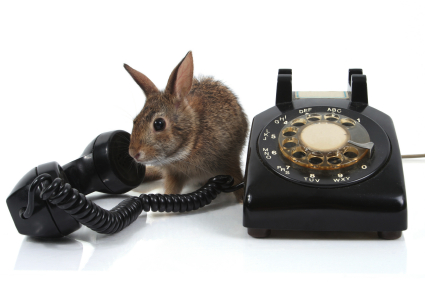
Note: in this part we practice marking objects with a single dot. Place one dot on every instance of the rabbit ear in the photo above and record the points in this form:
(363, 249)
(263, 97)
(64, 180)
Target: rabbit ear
(180, 81)
(142, 80)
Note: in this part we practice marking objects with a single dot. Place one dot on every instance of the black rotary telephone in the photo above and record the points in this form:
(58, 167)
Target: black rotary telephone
(324, 161)
(319, 161)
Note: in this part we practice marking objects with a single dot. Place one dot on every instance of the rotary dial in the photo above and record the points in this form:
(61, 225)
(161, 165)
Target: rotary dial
(324, 141)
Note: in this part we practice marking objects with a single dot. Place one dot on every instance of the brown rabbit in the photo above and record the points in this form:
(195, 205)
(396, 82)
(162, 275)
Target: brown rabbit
(193, 130)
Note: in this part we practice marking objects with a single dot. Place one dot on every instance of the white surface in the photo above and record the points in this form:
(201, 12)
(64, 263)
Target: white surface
(61, 67)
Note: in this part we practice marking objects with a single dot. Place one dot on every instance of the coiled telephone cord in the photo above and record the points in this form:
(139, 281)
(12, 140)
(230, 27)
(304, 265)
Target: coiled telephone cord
(112, 221)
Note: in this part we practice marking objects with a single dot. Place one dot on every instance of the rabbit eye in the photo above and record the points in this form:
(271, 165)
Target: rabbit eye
(159, 124)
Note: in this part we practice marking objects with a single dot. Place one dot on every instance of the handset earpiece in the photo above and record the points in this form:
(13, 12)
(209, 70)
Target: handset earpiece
(104, 166)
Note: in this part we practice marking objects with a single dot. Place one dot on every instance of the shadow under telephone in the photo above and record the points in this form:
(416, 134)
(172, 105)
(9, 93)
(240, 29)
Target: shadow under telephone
(317, 161)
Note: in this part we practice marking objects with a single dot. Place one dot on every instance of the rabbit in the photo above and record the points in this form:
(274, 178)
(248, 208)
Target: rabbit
(191, 131)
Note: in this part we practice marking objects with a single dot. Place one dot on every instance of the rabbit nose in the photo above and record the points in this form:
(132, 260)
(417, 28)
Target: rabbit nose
(133, 153)
(137, 155)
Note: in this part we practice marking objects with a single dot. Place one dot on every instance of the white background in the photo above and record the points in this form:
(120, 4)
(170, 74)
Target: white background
(62, 83)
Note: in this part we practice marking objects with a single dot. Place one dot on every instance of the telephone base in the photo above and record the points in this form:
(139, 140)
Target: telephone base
(259, 232)
(301, 173)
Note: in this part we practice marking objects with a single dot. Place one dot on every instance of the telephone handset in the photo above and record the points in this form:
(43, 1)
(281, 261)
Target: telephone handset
(49, 201)
(316, 161)
(324, 161)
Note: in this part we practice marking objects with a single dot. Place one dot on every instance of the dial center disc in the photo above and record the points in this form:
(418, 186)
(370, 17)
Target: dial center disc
(324, 136)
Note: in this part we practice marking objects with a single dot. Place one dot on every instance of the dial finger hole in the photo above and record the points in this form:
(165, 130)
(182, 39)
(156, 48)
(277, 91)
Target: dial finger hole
(351, 152)
(290, 131)
(314, 117)
(315, 158)
(331, 117)
(348, 122)
(334, 158)
(290, 143)
(299, 153)
(299, 122)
